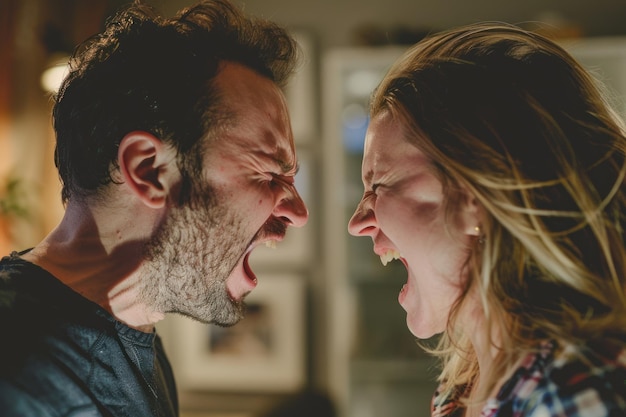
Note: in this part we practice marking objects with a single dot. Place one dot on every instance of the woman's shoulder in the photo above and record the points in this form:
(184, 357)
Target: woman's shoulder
(598, 360)
(557, 379)
(445, 402)
(580, 380)
(597, 352)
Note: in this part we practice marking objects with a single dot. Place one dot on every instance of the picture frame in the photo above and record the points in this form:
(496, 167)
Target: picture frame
(264, 352)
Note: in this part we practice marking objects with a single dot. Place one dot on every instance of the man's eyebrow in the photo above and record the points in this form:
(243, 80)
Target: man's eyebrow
(285, 160)
(287, 168)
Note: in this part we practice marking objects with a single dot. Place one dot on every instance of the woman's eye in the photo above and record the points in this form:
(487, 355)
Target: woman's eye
(371, 193)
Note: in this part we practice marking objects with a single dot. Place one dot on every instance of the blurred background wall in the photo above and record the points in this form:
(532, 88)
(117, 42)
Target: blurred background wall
(34, 32)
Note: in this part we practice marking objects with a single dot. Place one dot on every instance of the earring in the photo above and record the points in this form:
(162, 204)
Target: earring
(479, 234)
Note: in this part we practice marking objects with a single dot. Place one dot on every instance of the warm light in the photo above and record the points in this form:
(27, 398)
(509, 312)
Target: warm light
(54, 75)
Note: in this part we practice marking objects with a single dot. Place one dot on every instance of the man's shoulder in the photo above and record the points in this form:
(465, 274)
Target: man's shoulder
(56, 368)
(10, 267)
(24, 290)
(17, 402)
(45, 331)
(28, 289)
(14, 271)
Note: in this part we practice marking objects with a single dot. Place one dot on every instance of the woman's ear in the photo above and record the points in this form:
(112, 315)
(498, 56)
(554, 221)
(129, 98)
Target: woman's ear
(471, 215)
(146, 163)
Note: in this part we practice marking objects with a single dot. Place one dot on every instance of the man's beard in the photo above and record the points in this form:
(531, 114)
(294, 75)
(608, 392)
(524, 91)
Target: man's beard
(190, 257)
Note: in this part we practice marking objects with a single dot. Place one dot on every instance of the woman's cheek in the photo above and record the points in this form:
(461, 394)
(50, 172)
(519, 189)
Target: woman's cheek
(392, 217)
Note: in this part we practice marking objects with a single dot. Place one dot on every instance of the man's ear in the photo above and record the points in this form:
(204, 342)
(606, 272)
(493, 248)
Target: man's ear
(145, 163)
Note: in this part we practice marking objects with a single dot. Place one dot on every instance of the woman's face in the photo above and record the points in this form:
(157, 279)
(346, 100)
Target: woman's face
(402, 211)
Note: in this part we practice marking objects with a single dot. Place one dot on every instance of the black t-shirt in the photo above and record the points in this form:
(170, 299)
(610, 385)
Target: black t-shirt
(63, 355)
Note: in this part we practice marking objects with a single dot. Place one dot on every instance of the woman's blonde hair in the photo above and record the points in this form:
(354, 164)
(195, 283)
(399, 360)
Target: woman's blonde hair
(512, 118)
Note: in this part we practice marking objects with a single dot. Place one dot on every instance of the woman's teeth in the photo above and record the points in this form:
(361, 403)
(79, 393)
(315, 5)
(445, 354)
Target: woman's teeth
(389, 256)
(270, 244)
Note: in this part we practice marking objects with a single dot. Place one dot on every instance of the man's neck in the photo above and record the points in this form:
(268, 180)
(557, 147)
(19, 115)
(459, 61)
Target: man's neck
(101, 260)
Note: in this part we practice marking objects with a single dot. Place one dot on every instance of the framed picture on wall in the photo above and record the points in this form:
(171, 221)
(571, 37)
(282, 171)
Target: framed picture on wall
(264, 352)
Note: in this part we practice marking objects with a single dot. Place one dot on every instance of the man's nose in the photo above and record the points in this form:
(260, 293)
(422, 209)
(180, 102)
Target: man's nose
(292, 208)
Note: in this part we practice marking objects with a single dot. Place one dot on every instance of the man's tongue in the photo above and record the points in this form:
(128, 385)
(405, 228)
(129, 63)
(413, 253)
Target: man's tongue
(242, 280)
(248, 271)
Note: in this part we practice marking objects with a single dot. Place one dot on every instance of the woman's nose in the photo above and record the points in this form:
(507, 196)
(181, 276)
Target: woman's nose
(363, 221)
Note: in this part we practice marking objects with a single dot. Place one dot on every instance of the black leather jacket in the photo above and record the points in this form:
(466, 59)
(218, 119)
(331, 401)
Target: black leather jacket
(62, 355)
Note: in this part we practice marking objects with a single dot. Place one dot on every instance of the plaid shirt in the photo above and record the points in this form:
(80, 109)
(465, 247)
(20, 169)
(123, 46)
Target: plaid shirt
(587, 381)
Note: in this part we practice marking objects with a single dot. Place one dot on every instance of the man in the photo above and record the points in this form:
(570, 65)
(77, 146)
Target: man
(177, 159)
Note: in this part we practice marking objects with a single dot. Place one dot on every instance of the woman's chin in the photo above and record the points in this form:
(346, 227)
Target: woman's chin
(423, 330)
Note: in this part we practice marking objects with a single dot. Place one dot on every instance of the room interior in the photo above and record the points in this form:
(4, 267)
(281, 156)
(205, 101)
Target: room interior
(325, 331)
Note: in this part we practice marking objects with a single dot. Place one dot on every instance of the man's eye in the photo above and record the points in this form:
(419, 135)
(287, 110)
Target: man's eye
(275, 180)
(281, 179)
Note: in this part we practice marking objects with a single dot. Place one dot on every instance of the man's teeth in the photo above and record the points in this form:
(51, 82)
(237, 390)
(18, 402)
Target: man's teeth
(270, 244)
(389, 256)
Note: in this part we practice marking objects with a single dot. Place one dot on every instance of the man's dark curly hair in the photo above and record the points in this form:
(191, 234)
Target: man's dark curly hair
(155, 74)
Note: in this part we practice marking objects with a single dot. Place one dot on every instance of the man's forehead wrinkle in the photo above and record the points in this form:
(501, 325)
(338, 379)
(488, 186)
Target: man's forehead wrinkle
(285, 157)
(280, 157)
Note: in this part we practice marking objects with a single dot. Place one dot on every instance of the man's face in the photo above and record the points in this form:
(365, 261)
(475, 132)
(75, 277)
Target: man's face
(245, 197)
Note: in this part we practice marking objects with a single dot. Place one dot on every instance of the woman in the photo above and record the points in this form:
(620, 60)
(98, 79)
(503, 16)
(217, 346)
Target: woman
(494, 170)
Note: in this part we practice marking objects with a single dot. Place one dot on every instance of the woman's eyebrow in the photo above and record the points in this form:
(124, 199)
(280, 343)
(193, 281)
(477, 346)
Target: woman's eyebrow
(367, 177)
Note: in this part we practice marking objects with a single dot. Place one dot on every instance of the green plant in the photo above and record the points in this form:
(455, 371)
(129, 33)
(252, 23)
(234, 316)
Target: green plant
(12, 199)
